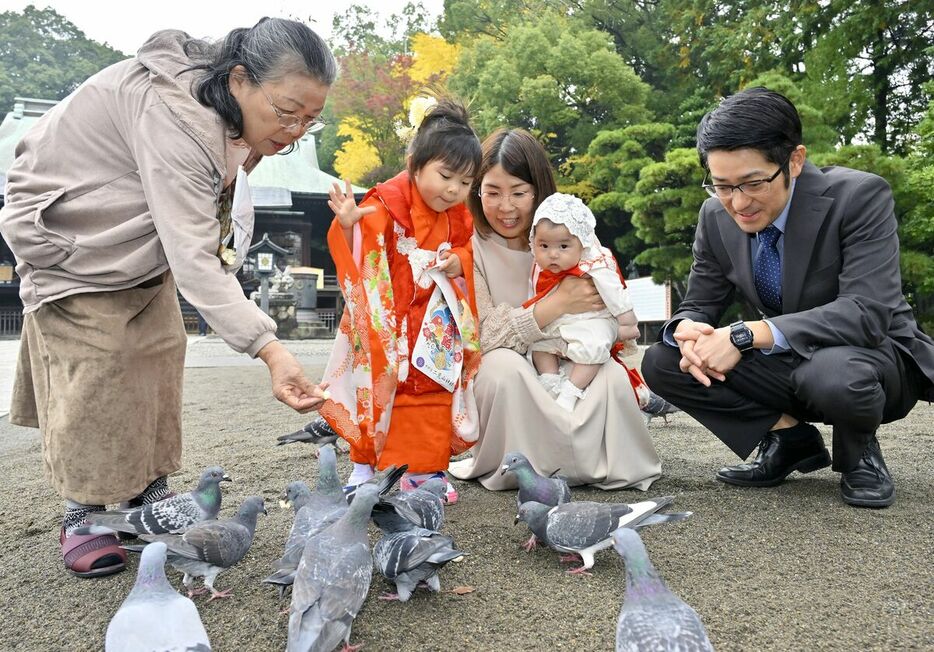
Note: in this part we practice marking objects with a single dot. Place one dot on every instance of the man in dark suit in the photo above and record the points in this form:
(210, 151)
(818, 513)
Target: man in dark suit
(816, 252)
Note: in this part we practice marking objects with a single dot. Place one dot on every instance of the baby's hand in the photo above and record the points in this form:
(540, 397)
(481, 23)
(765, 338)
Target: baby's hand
(628, 326)
(451, 264)
(345, 206)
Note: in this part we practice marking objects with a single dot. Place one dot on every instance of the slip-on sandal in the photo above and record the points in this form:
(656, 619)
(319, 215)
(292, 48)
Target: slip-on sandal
(92, 555)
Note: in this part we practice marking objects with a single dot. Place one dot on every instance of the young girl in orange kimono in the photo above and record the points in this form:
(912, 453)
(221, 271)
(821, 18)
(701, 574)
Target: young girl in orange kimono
(398, 381)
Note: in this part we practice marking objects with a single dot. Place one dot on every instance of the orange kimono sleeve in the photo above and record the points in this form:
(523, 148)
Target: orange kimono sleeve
(363, 367)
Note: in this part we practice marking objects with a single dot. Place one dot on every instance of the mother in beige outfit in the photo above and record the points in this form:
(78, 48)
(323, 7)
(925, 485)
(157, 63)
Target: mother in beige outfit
(119, 194)
(603, 442)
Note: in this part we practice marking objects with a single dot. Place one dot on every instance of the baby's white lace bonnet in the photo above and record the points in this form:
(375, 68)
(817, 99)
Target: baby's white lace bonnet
(570, 211)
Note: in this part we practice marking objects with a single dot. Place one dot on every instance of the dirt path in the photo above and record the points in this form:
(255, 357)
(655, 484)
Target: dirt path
(789, 568)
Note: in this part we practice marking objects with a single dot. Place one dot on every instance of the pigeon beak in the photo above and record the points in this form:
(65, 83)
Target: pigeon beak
(503, 469)
(516, 520)
(226, 478)
(265, 513)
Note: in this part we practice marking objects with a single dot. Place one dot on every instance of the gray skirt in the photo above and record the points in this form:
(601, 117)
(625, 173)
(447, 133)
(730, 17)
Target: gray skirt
(100, 375)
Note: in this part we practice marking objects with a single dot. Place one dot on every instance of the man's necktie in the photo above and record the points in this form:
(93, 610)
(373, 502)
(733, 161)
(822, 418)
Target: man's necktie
(768, 269)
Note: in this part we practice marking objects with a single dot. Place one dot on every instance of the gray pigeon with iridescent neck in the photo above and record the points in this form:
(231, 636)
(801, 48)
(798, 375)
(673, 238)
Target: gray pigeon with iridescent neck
(584, 528)
(314, 511)
(652, 617)
(154, 617)
(333, 579)
(210, 548)
(174, 515)
(534, 487)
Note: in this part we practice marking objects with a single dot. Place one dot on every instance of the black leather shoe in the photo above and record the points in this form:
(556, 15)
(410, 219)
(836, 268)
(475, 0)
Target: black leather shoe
(802, 450)
(869, 483)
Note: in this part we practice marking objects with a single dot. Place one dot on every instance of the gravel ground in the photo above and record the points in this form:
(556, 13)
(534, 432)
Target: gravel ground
(787, 568)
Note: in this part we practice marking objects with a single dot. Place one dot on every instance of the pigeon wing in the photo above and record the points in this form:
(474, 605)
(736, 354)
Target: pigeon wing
(221, 543)
(401, 552)
(170, 516)
(579, 525)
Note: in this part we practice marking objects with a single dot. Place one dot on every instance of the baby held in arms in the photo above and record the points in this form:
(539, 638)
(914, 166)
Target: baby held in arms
(564, 244)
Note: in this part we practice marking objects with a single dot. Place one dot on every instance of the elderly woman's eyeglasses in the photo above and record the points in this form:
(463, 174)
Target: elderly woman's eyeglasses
(750, 188)
(495, 198)
(290, 121)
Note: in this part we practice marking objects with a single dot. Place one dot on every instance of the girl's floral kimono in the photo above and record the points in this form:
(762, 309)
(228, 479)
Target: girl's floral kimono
(388, 410)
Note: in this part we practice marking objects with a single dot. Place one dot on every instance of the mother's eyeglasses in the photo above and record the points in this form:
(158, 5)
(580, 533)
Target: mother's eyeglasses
(290, 121)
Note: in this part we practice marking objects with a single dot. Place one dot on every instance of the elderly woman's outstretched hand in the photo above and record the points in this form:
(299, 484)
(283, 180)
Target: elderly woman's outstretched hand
(289, 383)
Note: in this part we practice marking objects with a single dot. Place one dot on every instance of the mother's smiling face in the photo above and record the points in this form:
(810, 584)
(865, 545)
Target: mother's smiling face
(508, 203)
(515, 176)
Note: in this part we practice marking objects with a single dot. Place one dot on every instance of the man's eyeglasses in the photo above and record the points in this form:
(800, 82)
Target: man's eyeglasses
(290, 121)
(750, 188)
(495, 198)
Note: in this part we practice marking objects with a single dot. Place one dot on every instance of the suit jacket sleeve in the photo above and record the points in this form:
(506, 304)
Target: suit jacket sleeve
(869, 284)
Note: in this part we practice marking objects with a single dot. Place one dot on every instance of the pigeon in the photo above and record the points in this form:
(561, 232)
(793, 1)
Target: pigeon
(333, 579)
(320, 509)
(656, 406)
(423, 507)
(314, 511)
(584, 528)
(534, 487)
(652, 617)
(295, 496)
(154, 617)
(208, 549)
(411, 557)
(173, 515)
(317, 431)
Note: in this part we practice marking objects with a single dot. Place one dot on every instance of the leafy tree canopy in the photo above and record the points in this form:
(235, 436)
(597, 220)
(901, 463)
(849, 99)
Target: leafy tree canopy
(43, 55)
(554, 77)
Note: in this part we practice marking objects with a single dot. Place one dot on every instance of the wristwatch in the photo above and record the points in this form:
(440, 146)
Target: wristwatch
(741, 336)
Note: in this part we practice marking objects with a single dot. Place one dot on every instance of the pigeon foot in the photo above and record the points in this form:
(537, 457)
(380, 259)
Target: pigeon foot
(389, 596)
(217, 595)
(531, 544)
(581, 570)
(569, 558)
(347, 647)
(193, 592)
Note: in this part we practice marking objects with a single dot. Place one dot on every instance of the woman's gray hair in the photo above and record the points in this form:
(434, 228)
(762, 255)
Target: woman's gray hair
(270, 50)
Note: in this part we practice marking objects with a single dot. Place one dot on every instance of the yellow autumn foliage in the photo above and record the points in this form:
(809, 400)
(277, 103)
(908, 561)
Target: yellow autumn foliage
(357, 156)
(431, 55)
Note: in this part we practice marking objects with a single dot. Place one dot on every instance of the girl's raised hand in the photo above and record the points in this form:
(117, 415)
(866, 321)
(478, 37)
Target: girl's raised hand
(345, 206)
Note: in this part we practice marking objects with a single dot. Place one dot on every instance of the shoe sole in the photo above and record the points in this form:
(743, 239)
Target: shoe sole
(862, 502)
(98, 572)
(807, 465)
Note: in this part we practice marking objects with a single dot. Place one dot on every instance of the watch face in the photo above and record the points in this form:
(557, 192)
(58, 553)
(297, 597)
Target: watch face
(741, 336)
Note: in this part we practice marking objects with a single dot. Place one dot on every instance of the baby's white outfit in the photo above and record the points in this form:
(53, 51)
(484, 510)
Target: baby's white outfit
(587, 337)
